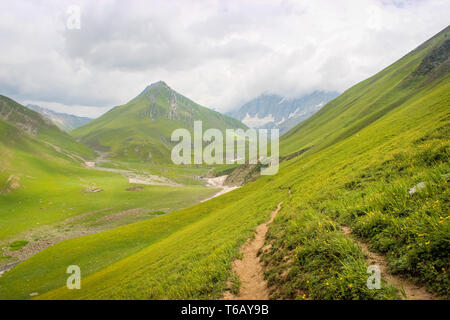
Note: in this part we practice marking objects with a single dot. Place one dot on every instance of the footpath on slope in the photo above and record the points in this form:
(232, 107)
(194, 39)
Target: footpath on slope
(412, 291)
(250, 269)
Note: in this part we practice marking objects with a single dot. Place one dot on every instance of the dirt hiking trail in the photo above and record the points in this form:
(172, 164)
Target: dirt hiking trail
(412, 291)
(250, 269)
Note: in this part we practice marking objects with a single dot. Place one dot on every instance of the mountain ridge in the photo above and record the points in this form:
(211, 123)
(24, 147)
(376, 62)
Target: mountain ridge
(269, 111)
(38, 127)
(64, 121)
(141, 129)
(367, 101)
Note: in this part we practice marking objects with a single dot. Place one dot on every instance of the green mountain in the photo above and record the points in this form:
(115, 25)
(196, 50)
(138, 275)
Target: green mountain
(141, 129)
(33, 125)
(64, 121)
(398, 85)
(37, 159)
(31, 146)
(348, 179)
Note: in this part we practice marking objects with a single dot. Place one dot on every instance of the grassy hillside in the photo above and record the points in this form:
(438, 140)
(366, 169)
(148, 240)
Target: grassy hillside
(140, 130)
(361, 105)
(388, 134)
(37, 126)
(44, 186)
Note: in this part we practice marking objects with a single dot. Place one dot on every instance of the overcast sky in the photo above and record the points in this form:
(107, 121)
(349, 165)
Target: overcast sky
(218, 53)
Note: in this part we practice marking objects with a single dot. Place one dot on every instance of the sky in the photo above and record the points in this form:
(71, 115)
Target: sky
(220, 54)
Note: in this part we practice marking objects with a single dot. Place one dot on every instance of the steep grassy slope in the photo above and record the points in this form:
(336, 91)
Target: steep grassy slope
(367, 188)
(141, 129)
(368, 101)
(357, 178)
(37, 126)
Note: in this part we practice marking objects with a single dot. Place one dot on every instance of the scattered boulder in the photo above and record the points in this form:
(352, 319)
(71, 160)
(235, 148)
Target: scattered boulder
(422, 185)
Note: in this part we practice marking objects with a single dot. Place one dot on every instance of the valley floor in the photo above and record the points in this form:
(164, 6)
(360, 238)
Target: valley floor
(157, 195)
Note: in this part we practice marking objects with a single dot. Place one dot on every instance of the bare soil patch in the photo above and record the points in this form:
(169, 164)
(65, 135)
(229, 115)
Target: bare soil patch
(135, 188)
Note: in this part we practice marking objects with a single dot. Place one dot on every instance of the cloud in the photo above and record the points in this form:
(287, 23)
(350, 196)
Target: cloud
(218, 53)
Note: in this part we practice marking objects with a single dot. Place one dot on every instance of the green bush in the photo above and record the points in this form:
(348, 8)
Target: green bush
(17, 245)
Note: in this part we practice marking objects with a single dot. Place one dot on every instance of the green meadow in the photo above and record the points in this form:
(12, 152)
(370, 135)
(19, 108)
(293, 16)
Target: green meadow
(52, 197)
(43, 187)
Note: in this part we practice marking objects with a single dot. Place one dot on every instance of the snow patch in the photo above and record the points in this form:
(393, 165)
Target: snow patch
(296, 114)
(219, 182)
(256, 121)
(281, 121)
(320, 105)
